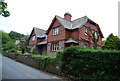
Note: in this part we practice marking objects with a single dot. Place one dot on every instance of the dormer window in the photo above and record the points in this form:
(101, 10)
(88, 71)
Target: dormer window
(33, 38)
(55, 31)
(86, 31)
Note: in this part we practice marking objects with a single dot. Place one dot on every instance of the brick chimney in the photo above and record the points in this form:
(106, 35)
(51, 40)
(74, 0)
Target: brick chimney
(67, 16)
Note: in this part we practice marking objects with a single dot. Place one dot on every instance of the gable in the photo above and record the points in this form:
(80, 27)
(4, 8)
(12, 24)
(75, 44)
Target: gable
(54, 23)
(70, 25)
(38, 33)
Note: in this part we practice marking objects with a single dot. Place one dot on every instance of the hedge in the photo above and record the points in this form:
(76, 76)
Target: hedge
(77, 63)
(91, 65)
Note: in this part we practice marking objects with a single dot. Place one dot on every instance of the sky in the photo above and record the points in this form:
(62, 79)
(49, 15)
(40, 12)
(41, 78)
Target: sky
(26, 14)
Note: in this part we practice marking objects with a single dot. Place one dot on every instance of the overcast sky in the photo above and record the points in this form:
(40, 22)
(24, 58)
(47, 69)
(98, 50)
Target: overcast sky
(26, 14)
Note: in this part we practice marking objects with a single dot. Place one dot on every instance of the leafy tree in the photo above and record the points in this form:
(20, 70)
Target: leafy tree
(3, 11)
(93, 34)
(15, 35)
(112, 42)
(10, 45)
(5, 38)
(7, 42)
(23, 44)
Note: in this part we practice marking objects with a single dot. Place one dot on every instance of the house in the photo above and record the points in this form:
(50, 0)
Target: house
(63, 33)
(38, 40)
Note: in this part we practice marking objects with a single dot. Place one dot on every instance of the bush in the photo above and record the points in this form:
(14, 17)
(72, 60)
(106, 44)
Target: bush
(19, 52)
(92, 65)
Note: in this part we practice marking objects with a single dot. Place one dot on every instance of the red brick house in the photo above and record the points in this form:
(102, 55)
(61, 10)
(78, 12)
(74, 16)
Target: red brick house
(38, 40)
(63, 33)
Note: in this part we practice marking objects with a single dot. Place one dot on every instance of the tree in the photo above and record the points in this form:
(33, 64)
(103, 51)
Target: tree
(7, 43)
(3, 11)
(5, 39)
(112, 42)
(15, 35)
(10, 45)
(93, 34)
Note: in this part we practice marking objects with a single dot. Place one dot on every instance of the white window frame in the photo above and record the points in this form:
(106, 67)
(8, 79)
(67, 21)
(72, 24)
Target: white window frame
(54, 47)
(86, 30)
(33, 38)
(55, 31)
(85, 45)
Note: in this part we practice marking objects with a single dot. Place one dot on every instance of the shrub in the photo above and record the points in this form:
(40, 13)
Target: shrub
(19, 52)
(59, 55)
(92, 65)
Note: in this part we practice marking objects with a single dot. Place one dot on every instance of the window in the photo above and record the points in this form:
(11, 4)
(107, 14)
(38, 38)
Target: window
(54, 47)
(86, 30)
(96, 35)
(33, 38)
(55, 31)
(85, 45)
(46, 37)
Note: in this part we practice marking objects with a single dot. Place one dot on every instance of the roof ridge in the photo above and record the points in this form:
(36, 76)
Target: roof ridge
(79, 18)
(63, 18)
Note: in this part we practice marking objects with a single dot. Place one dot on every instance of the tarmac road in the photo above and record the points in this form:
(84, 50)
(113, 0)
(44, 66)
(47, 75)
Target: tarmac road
(14, 70)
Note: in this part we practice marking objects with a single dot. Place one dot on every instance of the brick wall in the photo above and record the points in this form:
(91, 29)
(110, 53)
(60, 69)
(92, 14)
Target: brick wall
(60, 36)
(86, 37)
(31, 42)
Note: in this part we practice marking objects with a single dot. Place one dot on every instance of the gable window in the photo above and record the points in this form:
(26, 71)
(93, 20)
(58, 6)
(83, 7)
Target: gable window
(54, 47)
(55, 31)
(33, 38)
(46, 37)
(86, 30)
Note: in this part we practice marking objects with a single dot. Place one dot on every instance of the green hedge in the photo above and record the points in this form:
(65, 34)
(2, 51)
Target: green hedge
(91, 65)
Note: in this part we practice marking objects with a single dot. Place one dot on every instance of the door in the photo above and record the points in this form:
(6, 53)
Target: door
(41, 49)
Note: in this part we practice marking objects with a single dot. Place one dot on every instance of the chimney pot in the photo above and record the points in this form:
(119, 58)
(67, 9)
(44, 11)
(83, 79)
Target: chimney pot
(67, 16)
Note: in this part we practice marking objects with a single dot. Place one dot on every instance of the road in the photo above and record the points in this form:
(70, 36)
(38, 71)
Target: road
(15, 70)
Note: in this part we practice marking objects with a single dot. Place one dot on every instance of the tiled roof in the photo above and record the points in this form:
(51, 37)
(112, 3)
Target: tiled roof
(76, 23)
(73, 24)
(71, 40)
(39, 32)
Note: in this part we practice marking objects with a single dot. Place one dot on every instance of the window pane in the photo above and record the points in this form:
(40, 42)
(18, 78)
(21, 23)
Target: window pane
(33, 38)
(53, 32)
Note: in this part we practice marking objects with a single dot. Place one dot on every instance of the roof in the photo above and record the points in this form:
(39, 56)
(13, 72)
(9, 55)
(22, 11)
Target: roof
(43, 42)
(40, 33)
(71, 40)
(74, 24)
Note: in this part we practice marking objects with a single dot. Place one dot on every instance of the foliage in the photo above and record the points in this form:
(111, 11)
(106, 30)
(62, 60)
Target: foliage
(23, 40)
(15, 35)
(3, 11)
(33, 51)
(10, 45)
(46, 60)
(94, 35)
(59, 55)
(112, 42)
(91, 65)
(7, 42)
(19, 52)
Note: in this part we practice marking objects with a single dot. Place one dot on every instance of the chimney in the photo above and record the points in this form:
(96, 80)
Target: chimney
(67, 16)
